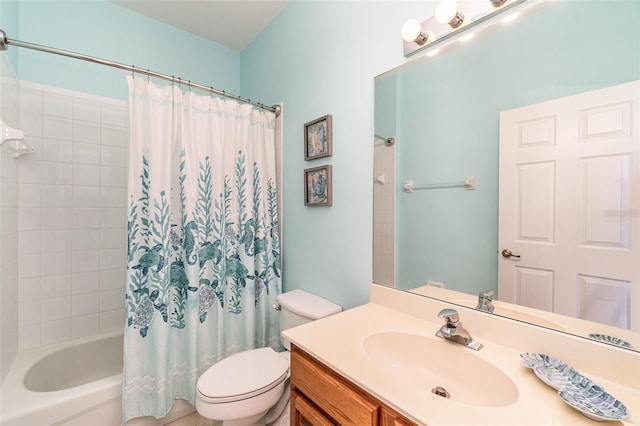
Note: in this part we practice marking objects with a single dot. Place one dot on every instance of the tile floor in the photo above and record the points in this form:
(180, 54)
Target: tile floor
(195, 419)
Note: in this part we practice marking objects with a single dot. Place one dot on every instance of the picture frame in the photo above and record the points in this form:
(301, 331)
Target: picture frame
(318, 138)
(317, 186)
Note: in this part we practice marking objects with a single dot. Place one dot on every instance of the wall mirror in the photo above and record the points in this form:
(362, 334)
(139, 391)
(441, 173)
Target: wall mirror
(444, 113)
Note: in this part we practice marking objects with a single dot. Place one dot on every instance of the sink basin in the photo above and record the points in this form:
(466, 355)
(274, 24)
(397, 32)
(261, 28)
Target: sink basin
(429, 362)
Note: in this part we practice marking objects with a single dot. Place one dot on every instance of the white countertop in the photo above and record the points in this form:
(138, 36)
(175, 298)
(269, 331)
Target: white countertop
(337, 341)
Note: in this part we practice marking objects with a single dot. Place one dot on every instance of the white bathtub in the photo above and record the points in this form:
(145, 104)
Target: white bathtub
(72, 383)
(77, 383)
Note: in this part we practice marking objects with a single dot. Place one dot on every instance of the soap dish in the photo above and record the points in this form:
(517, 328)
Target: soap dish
(594, 403)
(575, 389)
(611, 339)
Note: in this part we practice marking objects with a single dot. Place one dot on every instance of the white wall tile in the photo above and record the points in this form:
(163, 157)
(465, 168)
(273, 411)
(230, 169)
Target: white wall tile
(113, 136)
(86, 196)
(29, 313)
(55, 309)
(86, 218)
(30, 219)
(29, 195)
(57, 196)
(30, 265)
(112, 258)
(113, 114)
(112, 156)
(86, 239)
(31, 124)
(86, 261)
(113, 176)
(86, 132)
(112, 320)
(86, 153)
(57, 218)
(112, 279)
(30, 242)
(31, 100)
(29, 337)
(68, 215)
(56, 263)
(113, 217)
(57, 105)
(56, 241)
(56, 173)
(55, 331)
(60, 151)
(85, 325)
(85, 282)
(113, 197)
(85, 304)
(29, 290)
(86, 174)
(30, 171)
(54, 286)
(110, 239)
(111, 299)
(57, 128)
(86, 107)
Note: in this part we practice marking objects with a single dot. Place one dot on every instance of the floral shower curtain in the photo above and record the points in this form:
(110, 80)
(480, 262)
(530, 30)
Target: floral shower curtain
(203, 252)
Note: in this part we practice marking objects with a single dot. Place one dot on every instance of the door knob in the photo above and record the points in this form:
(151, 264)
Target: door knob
(507, 253)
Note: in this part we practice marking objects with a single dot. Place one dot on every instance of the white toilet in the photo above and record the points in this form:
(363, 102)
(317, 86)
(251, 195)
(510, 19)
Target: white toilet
(250, 387)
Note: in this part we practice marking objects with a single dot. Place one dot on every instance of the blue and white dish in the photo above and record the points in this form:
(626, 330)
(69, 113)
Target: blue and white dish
(594, 403)
(611, 339)
(531, 359)
(559, 375)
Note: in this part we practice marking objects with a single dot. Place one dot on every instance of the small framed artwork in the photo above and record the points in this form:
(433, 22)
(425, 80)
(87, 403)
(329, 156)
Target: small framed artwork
(317, 186)
(317, 138)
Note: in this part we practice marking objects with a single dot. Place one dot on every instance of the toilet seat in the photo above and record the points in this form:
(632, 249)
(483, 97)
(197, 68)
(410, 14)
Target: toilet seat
(242, 376)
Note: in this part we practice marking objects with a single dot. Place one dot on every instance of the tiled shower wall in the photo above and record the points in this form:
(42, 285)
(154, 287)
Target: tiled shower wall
(9, 102)
(71, 215)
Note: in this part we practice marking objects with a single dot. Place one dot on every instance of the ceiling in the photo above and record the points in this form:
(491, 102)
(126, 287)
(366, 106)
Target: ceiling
(231, 23)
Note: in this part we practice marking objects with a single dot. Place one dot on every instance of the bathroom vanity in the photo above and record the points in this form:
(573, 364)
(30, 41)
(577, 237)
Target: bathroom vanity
(382, 364)
(320, 396)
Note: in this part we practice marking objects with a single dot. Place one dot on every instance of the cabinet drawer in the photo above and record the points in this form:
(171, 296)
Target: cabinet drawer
(305, 414)
(333, 395)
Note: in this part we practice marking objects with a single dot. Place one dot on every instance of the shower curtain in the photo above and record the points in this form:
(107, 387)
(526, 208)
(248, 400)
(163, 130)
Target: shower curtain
(203, 252)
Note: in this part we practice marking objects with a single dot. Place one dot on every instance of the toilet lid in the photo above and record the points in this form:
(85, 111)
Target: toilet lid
(243, 375)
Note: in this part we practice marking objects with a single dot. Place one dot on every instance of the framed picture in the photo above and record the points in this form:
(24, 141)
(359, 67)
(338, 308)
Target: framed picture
(317, 138)
(317, 186)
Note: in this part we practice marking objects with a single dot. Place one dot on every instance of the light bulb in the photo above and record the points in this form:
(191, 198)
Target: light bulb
(447, 13)
(411, 30)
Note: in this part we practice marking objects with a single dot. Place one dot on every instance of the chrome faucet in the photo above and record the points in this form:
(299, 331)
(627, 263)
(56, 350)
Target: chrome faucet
(454, 331)
(484, 301)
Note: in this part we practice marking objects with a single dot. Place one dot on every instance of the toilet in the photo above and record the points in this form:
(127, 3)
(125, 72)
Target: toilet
(251, 387)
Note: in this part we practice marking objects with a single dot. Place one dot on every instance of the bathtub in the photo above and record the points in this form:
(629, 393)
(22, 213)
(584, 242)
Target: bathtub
(71, 383)
(77, 383)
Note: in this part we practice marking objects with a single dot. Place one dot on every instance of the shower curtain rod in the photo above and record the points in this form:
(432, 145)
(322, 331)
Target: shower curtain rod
(4, 42)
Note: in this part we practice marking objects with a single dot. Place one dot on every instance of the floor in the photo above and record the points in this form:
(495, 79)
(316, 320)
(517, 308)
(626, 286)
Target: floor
(195, 419)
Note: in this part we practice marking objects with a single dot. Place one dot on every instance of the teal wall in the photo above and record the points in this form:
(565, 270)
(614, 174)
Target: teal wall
(102, 29)
(9, 23)
(448, 127)
(321, 57)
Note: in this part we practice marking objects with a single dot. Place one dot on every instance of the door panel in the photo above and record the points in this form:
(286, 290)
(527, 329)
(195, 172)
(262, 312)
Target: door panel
(570, 205)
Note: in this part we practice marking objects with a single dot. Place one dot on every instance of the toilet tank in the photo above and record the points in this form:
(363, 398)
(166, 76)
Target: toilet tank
(299, 307)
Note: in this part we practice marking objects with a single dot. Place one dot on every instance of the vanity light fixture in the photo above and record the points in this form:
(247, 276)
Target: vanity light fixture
(412, 32)
(454, 19)
(447, 12)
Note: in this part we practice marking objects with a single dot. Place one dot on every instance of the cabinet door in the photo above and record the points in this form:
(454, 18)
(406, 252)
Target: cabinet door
(391, 418)
(305, 414)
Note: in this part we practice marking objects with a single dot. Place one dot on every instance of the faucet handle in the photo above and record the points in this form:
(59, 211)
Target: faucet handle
(450, 316)
(486, 294)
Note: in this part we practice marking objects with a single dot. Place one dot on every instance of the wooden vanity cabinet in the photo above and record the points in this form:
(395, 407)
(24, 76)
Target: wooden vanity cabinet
(322, 397)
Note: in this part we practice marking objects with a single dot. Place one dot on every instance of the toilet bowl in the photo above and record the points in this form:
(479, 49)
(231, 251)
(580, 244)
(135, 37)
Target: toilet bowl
(252, 387)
